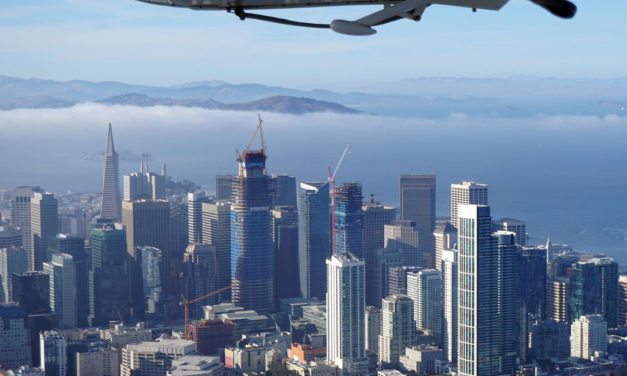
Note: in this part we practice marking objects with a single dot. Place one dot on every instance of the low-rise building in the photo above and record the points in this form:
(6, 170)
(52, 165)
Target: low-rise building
(317, 368)
(588, 335)
(153, 358)
(196, 365)
(212, 336)
(251, 358)
(306, 353)
(120, 335)
(245, 321)
(29, 371)
(422, 359)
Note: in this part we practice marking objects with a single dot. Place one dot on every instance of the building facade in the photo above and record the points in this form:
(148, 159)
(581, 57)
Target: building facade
(44, 226)
(348, 226)
(464, 193)
(376, 216)
(424, 288)
(109, 293)
(285, 239)
(449, 304)
(485, 343)
(346, 314)
(418, 205)
(53, 350)
(588, 335)
(61, 271)
(21, 199)
(12, 260)
(15, 348)
(194, 215)
(314, 238)
(216, 231)
(398, 328)
(252, 251)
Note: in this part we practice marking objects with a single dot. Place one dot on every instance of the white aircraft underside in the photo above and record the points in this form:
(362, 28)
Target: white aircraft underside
(392, 10)
(280, 4)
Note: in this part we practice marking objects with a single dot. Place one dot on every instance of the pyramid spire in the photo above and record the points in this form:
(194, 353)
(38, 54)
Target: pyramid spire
(110, 147)
(549, 249)
(111, 204)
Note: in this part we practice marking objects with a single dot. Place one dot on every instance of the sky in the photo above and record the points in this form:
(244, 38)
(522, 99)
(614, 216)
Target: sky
(130, 41)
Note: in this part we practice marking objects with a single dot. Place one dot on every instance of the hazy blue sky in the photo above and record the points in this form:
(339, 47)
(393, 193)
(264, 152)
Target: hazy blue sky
(130, 41)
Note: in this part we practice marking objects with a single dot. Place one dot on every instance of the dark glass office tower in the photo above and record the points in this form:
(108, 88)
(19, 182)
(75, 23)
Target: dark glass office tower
(418, 205)
(75, 246)
(32, 291)
(506, 347)
(594, 289)
(375, 217)
(252, 252)
(108, 276)
(348, 226)
(224, 187)
(283, 190)
(314, 238)
(533, 280)
(285, 236)
(198, 277)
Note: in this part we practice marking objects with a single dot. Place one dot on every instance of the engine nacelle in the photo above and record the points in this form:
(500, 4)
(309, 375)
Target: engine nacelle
(559, 8)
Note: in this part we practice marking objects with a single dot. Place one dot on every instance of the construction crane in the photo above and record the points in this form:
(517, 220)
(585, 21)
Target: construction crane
(332, 174)
(185, 303)
(258, 130)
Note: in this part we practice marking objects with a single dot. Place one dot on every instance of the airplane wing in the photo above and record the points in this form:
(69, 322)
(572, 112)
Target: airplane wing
(393, 10)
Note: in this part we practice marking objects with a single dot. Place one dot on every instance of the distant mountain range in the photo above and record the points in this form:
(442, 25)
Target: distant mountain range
(423, 97)
(279, 103)
(35, 93)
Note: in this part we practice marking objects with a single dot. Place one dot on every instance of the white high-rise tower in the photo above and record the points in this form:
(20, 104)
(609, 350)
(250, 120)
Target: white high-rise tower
(346, 298)
(111, 204)
(449, 304)
(467, 192)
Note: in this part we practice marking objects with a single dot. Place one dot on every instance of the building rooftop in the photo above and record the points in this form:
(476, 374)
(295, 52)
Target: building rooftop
(163, 345)
(389, 372)
(191, 364)
(345, 259)
(312, 186)
(11, 311)
(470, 184)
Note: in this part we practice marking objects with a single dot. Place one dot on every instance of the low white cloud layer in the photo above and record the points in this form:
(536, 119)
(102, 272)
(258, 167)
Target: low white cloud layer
(86, 116)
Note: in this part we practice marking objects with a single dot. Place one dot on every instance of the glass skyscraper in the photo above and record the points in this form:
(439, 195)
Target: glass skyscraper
(488, 297)
(346, 314)
(594, 289)
(252, 251)
(314, 237)
(108, 275)
(75, 246)
(348, 226)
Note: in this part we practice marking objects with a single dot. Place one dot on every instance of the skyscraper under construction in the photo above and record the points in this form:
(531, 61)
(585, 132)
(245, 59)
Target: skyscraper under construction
(252, 256)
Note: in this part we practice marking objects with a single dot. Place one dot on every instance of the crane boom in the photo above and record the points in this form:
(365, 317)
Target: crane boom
(340, 161)
(185, 303)
(332, 175)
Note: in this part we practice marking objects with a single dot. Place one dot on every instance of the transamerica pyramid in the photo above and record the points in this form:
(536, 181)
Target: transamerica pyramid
(111, 205)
